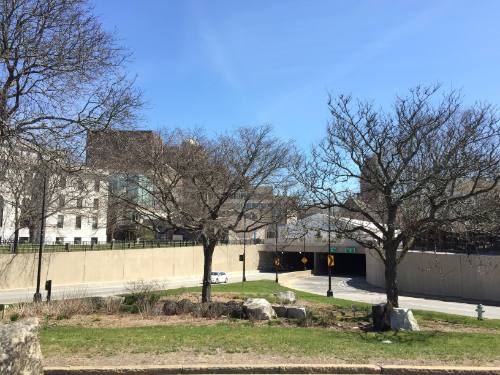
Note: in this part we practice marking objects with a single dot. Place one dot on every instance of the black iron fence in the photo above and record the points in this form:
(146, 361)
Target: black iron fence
(460, 243)
(32, 247)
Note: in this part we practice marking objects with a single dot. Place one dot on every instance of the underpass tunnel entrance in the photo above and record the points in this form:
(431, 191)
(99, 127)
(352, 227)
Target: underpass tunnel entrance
(345, 264)
(296, 261)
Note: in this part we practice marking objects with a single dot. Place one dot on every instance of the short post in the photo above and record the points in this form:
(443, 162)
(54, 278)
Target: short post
(48, 288)
(480, 311)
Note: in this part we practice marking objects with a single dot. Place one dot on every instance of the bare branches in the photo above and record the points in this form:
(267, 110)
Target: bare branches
(429, 163)
(60, 74)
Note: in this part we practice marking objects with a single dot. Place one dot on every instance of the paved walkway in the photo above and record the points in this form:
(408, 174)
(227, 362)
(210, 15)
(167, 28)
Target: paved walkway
(114, 288)
(357, 289)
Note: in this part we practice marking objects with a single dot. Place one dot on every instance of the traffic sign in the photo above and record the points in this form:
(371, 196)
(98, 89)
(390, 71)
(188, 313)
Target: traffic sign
(304, 260)
(350, 250)
(332, 250)
(277, 262)
(331, 261)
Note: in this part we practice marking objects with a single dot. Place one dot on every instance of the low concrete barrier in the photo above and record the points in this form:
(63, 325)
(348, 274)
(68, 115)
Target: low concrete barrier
(275, 369)
(442, 274)
(18, 271)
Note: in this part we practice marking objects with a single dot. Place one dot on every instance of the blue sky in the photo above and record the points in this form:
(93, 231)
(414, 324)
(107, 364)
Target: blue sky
(226, 63)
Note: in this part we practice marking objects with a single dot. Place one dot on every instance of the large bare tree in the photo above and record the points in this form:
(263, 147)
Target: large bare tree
(61, 74)
(207, 185)
(428, 163)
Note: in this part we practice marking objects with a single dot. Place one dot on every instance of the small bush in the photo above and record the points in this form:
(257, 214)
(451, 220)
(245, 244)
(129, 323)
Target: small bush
(14, 317)
(144, 296)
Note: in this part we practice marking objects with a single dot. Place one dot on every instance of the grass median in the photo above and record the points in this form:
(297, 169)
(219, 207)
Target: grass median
(445, 338)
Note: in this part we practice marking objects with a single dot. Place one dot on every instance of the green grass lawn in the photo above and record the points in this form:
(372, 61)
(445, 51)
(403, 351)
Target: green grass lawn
(293, 342)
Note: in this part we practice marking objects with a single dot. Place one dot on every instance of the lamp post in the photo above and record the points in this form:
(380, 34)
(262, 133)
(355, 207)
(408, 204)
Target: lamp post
(329, 292)
(276, 262)
(244, 247)
(37, 297)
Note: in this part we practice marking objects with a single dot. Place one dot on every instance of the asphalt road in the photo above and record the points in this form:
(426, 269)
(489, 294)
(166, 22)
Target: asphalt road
(114, 288)
(357, 289)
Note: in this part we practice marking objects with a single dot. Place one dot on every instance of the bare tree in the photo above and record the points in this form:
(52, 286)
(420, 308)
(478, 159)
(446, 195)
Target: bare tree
(426, 164)
(206, 185)
(60, 74)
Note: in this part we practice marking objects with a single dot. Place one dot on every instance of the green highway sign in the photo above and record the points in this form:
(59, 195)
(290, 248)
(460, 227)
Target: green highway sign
(332, 250)
(350, 250)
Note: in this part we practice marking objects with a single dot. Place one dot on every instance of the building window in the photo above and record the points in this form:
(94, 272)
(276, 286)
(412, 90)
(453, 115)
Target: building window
(95, 222)
(78, 222)
(59, 240)
(60, 221)
(81, 185)
(96, 203)
(97, 185)
(79, 203)
(77, 241)
(94, 240)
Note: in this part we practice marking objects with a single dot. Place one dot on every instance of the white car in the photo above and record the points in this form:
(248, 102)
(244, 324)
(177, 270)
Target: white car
(218, 277)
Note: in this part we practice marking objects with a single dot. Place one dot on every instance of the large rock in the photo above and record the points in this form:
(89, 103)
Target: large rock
(294, 312)
(19, 348)
(403, 320)
(259, 309)
(170, 307)
(286, 297)
(280, 311)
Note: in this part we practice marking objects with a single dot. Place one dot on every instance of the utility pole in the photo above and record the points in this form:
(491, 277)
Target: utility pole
(329, 292)
(38, 296)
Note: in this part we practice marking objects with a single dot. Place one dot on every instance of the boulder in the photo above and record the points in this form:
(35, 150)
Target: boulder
(217, 309)
(280, 311)
(170, 307)
(235, 310)
(294, 312)
(286, 297)
(19, 348)
(403, 320)
(259, 309)
(184, 306)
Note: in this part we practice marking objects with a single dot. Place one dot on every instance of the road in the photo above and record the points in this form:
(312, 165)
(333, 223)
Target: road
(357, 289)
(114, 288)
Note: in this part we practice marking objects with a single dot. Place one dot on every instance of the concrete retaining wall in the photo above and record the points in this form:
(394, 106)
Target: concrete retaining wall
(79, 267)
(442, 274)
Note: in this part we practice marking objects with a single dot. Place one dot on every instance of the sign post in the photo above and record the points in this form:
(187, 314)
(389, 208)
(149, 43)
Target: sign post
(329, 292)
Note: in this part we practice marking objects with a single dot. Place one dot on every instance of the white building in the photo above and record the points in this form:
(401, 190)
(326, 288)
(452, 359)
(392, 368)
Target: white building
(79, 215)
(76, 206)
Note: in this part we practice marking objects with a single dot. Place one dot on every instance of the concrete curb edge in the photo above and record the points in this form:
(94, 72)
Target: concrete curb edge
(272, 369)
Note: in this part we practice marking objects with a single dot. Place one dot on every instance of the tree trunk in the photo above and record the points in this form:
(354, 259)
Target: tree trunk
(391, 273)
(208, 252)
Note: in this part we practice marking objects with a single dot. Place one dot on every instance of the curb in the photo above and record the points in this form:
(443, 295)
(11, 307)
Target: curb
(272, 369)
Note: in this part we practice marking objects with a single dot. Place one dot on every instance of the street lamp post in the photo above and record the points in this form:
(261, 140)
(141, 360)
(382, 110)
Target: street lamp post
(276, 264)
(329, 292)
(244, 247)
(38, 296)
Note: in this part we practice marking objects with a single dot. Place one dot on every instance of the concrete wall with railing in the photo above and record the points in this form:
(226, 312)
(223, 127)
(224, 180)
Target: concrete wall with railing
(82, 267)
(442, 274)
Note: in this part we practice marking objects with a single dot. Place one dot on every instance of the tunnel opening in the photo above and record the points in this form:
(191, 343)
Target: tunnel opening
(345, 264)
(293, 261)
